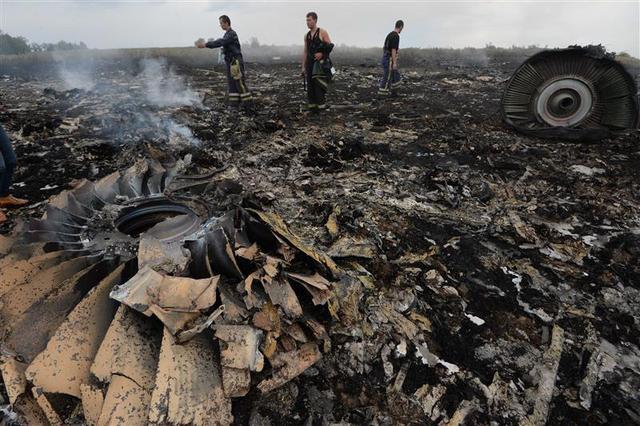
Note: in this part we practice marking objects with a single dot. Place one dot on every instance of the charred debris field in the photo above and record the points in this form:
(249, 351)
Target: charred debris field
(493, 278)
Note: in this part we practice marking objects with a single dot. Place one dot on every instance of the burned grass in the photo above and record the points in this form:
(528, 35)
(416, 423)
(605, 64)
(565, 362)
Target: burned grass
(484, 259)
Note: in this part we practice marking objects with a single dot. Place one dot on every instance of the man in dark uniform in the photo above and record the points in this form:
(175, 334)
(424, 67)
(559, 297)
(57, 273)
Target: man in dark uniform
(391, 75)
(316, 64)
(238, 91)
(7, 166)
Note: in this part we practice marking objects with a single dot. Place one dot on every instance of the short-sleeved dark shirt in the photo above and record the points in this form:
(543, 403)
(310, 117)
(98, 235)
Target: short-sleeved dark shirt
(392, 41)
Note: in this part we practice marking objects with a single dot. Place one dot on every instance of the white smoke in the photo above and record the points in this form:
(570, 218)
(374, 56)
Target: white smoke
(164, 87)
(161, 86)
(76, 80)
(75, 73)
(160, 127)
(175, 133)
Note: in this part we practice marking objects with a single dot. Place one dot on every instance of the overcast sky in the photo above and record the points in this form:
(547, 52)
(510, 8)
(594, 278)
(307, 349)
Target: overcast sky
(141, 23)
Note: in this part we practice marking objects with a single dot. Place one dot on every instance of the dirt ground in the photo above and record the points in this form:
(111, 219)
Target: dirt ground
(493, 265)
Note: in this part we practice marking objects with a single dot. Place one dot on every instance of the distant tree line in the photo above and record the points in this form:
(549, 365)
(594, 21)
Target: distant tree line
(10, 45)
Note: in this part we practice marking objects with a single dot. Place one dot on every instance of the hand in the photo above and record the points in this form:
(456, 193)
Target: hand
(394, 67)
(199, 43)
(318, 56)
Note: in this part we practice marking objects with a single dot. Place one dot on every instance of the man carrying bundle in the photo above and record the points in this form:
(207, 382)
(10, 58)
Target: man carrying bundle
(316, 64)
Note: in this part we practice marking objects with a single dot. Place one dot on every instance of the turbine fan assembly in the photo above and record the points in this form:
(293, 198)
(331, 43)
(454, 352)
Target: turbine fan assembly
(575, 93)
(150, 306)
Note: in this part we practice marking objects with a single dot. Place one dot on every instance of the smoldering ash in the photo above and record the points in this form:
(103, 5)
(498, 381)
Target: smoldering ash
(164, 87)
(142, 112)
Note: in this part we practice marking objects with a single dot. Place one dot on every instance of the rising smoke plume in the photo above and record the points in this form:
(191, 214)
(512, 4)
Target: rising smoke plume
(164, 87)
(75, 74)
(145, 120)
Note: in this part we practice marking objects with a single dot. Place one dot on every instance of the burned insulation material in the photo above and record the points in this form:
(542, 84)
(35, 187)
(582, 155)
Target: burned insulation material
(574, 93)
(149, 306)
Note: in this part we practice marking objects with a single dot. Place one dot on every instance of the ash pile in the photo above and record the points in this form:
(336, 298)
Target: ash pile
(484, 276)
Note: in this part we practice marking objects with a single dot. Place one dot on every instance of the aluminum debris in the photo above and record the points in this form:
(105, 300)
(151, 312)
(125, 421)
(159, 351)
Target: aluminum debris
(108, 356)
(574, 93)
(398, 261)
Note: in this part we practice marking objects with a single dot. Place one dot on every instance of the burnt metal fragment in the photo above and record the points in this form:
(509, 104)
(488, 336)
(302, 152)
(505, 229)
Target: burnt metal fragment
(133, 299)
(575, 93)
(144, 216)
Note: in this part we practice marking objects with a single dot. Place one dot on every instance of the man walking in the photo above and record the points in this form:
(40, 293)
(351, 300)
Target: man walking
(390, 73)
(7, 166)
(238, 91)
(316, 64)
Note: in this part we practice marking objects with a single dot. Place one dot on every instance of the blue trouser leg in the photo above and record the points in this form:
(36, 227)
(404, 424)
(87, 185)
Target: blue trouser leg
(8, 162)
(386, 68)
(395, 78)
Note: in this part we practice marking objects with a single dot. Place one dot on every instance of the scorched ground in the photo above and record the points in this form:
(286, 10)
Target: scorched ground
(498, 274)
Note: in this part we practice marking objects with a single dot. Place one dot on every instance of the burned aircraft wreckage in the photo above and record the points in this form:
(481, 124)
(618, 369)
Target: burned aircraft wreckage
(573, 93)
(140, 299)
(205, 296)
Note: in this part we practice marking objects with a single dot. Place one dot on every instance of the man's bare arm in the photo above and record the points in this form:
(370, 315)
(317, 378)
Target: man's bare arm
(394, 58)
(324, 36)
(304, 55)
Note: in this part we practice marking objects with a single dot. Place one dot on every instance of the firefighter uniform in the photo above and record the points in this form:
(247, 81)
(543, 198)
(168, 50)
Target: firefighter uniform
(238, 91)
